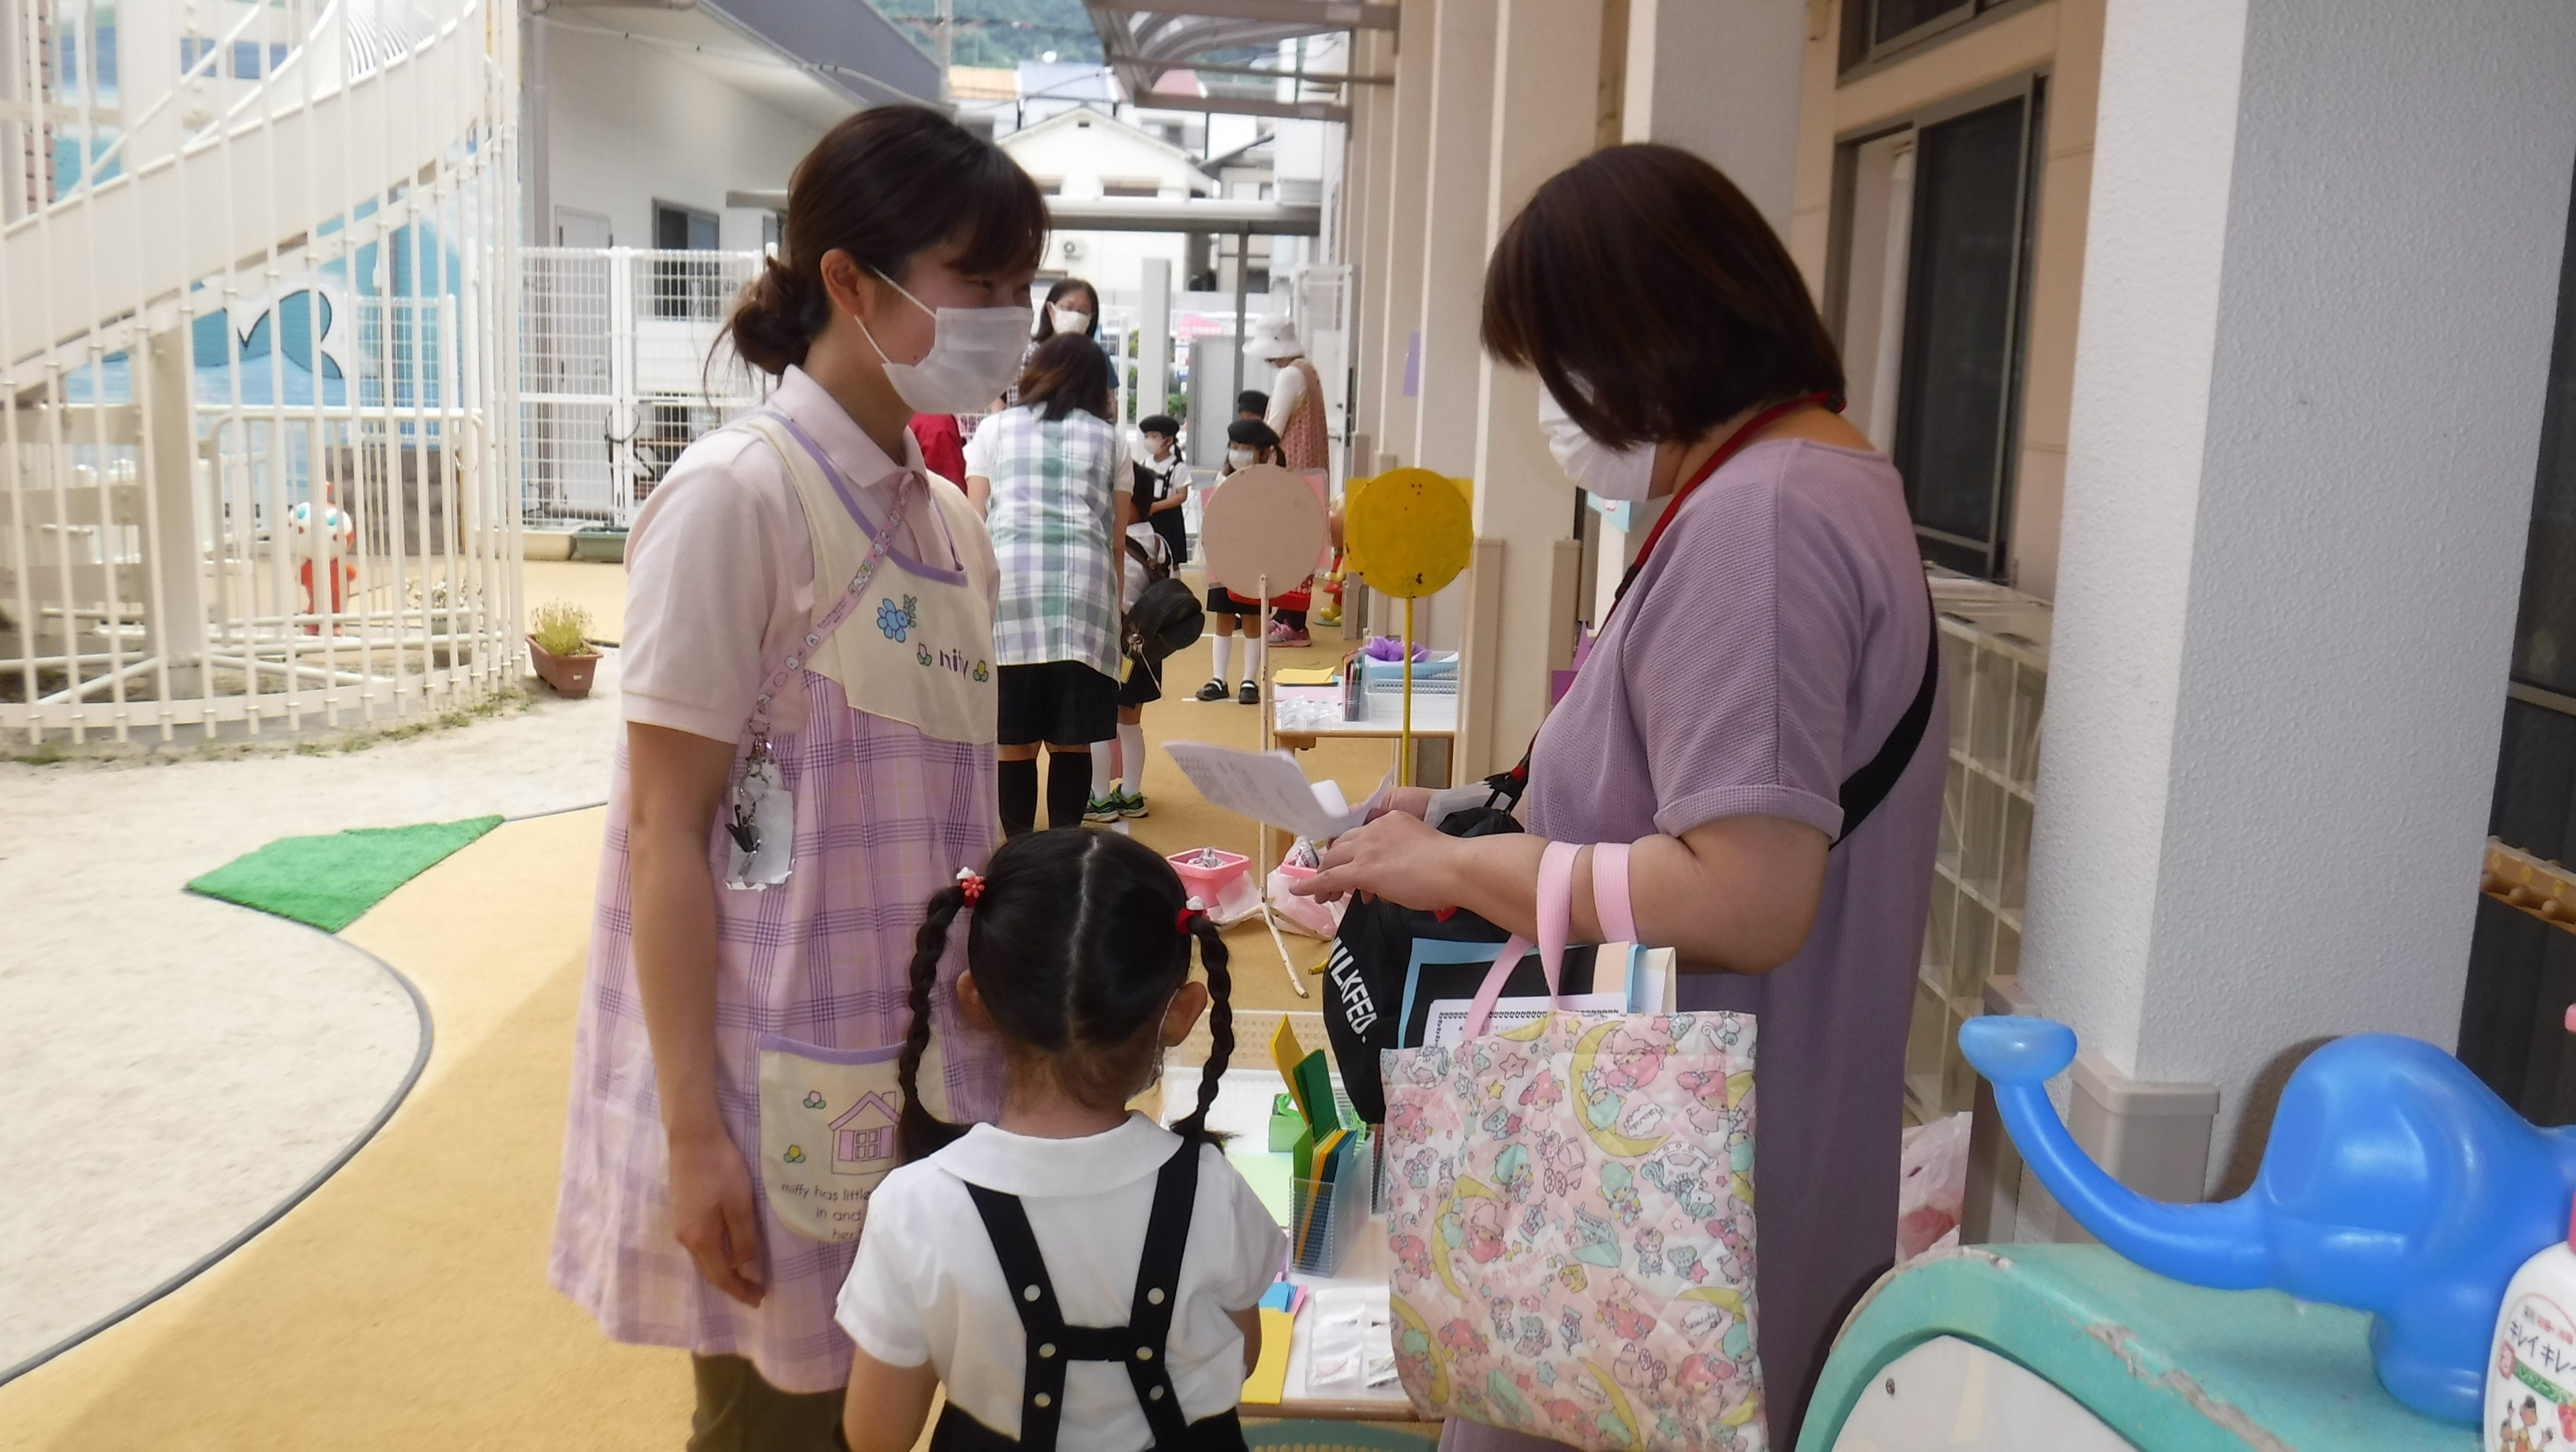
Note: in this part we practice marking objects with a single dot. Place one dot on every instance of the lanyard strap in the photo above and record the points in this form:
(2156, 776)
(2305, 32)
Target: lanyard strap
(1735, 443)
(879, 542)
(1510, 784)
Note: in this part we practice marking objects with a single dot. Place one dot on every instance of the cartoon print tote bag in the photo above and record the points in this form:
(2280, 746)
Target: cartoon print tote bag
(1570, 1221)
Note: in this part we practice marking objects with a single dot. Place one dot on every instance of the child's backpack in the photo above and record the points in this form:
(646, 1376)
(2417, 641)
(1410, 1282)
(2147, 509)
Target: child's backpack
(1156, 563)
(1165, 618)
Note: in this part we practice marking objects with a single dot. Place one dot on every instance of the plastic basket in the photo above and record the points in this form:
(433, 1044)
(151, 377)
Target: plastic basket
(1328, 1217)
(1205, 883)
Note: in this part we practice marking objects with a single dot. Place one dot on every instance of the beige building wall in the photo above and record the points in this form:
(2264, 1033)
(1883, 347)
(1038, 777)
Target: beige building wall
(2061, 39)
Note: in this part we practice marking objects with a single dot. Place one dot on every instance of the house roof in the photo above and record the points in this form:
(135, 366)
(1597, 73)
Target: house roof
(865, 1102)
(1074, 116)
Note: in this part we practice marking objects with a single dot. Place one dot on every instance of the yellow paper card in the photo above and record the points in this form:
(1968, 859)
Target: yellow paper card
(1269, 1379)
(1304, 676)
(1287, 1053)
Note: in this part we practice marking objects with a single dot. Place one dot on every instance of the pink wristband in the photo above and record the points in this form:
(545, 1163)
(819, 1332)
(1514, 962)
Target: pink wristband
(1610, 902)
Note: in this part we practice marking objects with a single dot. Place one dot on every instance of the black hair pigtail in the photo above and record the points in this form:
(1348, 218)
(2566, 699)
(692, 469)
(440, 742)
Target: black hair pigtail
(1220, 1027)
(919, 1132)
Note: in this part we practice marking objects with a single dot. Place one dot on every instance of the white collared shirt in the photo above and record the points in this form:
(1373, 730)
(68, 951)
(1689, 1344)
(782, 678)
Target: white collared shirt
(927, 1285)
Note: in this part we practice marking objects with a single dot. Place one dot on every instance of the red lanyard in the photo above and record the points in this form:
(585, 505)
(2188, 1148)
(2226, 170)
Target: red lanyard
(1734, 444)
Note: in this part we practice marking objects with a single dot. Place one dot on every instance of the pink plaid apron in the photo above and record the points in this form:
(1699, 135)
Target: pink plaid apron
(886, 814)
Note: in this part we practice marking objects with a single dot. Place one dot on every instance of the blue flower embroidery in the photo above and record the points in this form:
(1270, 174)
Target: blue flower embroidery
(895, 619)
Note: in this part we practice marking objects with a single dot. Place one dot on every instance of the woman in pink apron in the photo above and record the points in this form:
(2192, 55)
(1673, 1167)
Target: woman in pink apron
(809, 700)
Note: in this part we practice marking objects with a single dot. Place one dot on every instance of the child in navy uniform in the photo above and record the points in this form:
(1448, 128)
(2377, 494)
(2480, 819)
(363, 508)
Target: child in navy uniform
(1075, 1274)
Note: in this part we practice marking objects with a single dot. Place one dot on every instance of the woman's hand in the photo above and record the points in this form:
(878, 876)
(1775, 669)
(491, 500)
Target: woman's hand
(1412, 801)
(711, 1210)
(1393, 856)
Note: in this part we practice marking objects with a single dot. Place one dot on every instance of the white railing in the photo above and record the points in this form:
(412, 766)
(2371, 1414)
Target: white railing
(255, 358)
(619, 371)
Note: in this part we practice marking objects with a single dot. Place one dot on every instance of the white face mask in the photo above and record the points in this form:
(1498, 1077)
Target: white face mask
(1239, 456)
(974, 354)
(1610, 473)
(1067, 320)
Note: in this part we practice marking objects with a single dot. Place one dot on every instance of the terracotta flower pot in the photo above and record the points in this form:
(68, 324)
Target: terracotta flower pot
(568, 674)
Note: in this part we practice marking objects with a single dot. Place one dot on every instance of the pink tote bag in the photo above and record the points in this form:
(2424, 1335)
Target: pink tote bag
(1570, 1219)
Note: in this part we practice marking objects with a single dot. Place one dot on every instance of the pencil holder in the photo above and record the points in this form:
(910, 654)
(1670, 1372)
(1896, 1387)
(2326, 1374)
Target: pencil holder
(1328, 1217)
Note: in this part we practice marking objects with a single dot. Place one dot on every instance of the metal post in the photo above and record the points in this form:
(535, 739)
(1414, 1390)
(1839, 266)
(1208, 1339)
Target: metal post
(1242, 327)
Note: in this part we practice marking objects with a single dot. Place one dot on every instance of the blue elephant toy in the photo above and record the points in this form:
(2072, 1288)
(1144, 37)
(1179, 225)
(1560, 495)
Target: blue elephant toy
(2395, 1183)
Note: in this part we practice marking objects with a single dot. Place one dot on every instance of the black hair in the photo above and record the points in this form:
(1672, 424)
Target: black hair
(1159, 423)
(1056, 294)
(1252, 401)
(1078, 942)
(1068, 371)
(883, 185)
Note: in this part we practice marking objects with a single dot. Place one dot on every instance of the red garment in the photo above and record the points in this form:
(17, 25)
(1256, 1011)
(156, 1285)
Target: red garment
(943, 448)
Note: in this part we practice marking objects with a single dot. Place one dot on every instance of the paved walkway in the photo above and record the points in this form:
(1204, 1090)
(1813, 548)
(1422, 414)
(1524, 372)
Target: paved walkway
(171, 1067)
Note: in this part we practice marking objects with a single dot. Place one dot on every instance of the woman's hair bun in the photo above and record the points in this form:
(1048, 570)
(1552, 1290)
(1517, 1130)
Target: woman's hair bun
(772, 320)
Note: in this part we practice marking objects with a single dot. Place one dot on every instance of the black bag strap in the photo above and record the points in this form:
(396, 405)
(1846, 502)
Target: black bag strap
(1863, 790)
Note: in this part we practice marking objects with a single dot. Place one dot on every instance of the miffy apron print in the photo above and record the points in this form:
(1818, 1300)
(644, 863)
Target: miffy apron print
(913, 643)
(885, 787)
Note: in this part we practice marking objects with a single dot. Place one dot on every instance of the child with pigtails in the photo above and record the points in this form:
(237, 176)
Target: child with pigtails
(1075, 1274)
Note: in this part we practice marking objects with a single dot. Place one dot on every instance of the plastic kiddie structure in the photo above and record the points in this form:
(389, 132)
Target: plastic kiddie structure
(2395, 1183)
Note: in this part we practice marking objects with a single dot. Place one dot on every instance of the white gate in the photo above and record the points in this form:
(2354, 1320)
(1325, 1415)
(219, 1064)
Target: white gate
(255, 357)
(619, 372)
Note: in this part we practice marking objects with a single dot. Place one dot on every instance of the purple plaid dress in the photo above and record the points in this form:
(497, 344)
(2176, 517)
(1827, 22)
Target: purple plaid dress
(886, 814)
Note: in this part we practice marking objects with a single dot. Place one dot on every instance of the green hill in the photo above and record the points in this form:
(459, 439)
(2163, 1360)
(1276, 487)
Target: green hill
(1003, 32)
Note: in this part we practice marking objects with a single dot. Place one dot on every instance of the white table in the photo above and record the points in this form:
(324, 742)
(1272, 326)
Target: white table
(1435, 718)
(1242, 1109)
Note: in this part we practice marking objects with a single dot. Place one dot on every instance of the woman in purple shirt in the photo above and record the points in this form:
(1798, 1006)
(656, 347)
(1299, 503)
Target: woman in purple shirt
(1770, 646)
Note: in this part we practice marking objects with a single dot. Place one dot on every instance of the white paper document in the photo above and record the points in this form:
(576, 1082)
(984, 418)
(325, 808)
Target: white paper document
(1448, 1023)
(1269, 786)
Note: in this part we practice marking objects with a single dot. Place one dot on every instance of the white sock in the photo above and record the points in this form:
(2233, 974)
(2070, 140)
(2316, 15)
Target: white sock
(1104, 768)
(1131, 757)
(1255, 649)
(1222, 649)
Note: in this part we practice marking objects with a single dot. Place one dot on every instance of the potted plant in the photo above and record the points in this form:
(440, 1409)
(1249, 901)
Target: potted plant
(557, 643)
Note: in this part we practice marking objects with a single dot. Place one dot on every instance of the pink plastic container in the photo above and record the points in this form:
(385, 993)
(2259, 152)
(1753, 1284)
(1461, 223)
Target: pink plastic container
(1204, 883)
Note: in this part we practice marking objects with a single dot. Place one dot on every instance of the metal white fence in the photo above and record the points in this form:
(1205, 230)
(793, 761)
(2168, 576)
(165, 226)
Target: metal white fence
(255, 357)
(619, 371)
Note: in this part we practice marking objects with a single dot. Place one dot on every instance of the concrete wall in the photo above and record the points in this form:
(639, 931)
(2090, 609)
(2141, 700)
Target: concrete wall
(635, 123)
(2305, 411)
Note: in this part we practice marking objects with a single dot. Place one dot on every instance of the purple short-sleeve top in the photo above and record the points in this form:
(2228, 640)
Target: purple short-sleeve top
(1766, 651)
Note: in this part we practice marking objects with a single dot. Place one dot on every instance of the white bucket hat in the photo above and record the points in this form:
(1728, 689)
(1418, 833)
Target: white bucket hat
(1273, 338)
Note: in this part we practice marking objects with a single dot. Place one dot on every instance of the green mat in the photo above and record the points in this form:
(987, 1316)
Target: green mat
(329, 881)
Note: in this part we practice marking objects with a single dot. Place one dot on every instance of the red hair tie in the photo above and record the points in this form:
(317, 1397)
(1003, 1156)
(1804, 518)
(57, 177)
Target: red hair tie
(1181, 920)
(970, 882)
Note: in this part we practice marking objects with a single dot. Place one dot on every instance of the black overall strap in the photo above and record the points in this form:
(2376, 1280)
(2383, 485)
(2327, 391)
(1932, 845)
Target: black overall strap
(1158, 1287)
(1139, 1344)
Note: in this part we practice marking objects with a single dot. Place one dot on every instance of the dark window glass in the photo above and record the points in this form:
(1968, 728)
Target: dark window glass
(1892, 18)
(2522, 971)
(1962, 332)
(683, 288)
